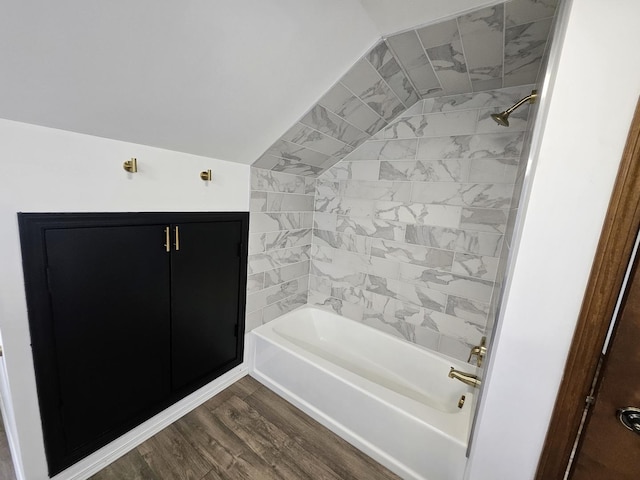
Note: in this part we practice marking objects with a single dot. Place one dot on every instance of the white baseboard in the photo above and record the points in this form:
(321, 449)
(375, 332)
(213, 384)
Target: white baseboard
(6, 411)
(14, 447)
(114, 450)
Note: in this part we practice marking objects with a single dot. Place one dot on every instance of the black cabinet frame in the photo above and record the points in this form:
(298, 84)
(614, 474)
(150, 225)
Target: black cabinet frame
(33, 227)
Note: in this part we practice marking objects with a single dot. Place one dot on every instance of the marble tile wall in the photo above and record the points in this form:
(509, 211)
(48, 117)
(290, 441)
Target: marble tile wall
(415, 182)
(409, 227)
(370, 95)
(490, 48)
(280, 232)
(518, 15)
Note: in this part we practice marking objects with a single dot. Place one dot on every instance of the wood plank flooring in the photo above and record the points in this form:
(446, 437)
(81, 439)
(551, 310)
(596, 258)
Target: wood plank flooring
(246, 432)
(6, 465)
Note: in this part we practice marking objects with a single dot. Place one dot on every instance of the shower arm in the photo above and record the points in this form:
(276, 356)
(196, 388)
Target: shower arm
(531, 98)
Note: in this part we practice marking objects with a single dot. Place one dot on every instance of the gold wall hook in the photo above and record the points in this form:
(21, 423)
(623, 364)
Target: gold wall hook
(206, 175)
(131, 166)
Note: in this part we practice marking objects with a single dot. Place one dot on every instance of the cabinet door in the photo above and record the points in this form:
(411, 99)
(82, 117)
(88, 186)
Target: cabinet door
(109, 289)
(205, 298)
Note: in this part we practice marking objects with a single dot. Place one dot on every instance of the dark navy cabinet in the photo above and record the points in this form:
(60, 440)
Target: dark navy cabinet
(128, 313)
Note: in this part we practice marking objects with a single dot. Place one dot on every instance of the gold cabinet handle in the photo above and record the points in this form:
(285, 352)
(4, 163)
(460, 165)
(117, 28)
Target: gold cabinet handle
(167, 239)
(177, 239)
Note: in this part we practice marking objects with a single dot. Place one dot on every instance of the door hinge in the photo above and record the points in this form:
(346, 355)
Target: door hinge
(590, 400)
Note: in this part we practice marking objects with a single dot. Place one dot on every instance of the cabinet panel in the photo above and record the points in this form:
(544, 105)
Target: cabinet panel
(109, 291)
(205, 279)
(105, 296)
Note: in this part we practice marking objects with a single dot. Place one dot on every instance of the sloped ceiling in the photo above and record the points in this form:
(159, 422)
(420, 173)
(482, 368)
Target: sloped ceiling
(220, 78)
(498, 46)
(394, 16)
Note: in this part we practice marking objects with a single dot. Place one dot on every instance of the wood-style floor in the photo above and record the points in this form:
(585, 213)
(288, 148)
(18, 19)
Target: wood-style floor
(245, 432)
(6, 465)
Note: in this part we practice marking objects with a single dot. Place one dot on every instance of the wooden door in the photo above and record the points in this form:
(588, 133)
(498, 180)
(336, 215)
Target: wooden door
(109, 290)
(616, 244)
(207, 300)
(607, 449)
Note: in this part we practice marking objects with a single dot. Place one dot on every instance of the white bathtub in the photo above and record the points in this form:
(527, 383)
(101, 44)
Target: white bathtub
(391, 399)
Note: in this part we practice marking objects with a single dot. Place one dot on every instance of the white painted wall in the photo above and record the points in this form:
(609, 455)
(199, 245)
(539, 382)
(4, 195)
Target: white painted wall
(47, 170)
(220, 78)
(589, 111)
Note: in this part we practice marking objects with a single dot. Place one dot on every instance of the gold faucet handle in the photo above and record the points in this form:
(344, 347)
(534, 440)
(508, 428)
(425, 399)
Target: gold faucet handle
(480, 351)
(474, 351)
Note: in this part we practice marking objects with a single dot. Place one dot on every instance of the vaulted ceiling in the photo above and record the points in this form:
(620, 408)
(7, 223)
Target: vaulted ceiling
(220, 79)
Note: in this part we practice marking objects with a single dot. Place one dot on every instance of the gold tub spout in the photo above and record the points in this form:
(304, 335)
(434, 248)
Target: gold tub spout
(464, 377)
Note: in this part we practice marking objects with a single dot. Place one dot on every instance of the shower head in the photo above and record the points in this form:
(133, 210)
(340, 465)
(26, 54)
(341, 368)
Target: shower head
(502, 118)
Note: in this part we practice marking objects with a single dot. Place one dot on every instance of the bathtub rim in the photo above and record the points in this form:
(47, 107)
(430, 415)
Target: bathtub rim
(405, 406)
(375, 331)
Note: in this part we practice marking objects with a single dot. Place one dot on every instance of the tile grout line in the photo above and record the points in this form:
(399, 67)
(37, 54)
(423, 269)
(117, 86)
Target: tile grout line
(404, 72)
(424, 51)
(357, 97)
(504, 44)
(386, 84)
(313, 228)
(424, 267)
(532, 21)
(464, 55)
